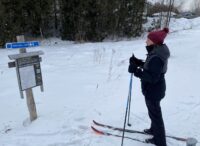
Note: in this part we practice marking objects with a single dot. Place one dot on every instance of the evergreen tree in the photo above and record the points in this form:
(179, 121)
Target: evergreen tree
(88, 20)
(110, 17)
(57, 17)
(30, 17)
(130, 17)
(39, 15)
(93, 20)
(69, 18)
(11, 22)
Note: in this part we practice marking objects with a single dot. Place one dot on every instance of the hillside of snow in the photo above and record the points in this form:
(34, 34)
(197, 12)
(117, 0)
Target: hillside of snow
(90, 81)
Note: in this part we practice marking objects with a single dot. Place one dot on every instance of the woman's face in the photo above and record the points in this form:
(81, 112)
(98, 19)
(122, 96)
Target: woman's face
(149, 42)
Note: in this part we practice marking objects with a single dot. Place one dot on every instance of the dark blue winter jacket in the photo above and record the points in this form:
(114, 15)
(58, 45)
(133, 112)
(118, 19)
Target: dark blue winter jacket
(152, 73)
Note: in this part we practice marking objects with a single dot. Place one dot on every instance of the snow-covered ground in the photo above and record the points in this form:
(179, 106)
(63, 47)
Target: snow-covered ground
(90, 81)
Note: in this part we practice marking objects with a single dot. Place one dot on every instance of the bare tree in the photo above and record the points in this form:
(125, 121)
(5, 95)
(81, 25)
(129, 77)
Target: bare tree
(168, 17)
(161, 14)
(165, 16)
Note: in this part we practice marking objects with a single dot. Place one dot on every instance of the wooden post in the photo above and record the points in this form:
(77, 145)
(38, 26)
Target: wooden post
(20, 38)
(29, 93)
(31, 104)
(191, 142)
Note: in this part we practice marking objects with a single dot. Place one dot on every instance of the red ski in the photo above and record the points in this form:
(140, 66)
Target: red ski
(100, 132)
(135, 131)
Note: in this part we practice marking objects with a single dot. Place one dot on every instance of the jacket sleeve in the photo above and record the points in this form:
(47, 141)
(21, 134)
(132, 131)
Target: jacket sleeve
(152, 75)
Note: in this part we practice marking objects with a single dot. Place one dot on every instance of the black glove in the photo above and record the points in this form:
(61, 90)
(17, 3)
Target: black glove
(138, 72)
(132, 68)
(132, 59)
(136, 61)
(135, 70)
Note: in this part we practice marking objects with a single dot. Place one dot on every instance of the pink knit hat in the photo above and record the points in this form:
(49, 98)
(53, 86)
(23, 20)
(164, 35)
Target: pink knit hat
(158, 36)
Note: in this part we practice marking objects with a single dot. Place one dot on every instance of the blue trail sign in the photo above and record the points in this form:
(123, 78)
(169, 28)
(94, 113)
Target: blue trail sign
(16, 45)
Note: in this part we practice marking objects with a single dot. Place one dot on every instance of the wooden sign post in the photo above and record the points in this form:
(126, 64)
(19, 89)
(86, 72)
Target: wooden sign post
(31, 104)
(29, 93)
(28, 71)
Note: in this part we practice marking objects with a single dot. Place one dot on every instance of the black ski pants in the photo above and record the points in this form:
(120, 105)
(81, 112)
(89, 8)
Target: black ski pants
(157, 124)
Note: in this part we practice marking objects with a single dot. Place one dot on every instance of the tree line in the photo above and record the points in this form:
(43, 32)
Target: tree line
(76, 20)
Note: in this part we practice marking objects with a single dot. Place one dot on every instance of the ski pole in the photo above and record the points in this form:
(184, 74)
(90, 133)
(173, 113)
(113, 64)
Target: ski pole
(127, 106)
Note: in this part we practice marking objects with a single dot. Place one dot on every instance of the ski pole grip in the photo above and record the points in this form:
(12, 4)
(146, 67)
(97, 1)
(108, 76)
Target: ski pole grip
(191, 142)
